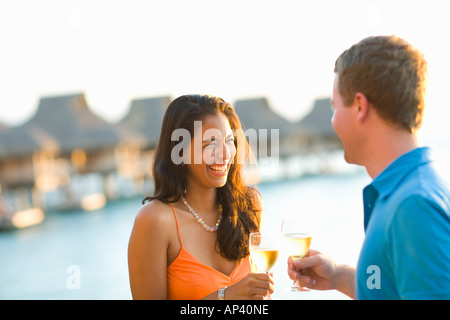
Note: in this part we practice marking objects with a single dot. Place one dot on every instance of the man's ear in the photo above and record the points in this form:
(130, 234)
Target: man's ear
(361, 104)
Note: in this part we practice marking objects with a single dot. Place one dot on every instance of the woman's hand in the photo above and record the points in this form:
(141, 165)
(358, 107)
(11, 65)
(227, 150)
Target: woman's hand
(255, 286)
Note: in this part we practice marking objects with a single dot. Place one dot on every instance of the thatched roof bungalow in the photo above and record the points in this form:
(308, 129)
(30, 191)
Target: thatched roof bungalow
(318, 120)
(316, 126)
(257, 114)
(17, 147)
(23, 141)
(145, 117)
(74, 126)
(62, 127)
(63, 124)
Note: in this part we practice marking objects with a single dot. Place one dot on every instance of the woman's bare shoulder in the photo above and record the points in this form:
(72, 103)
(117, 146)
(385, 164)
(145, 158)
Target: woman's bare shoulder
(155, 214)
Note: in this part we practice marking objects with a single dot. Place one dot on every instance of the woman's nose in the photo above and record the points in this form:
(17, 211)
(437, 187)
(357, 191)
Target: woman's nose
(224, 152)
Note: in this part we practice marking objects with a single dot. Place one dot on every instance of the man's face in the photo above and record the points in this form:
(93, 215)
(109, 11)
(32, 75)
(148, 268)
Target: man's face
(343, 124)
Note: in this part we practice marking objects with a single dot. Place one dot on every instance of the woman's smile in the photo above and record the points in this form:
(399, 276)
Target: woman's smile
(218, 169)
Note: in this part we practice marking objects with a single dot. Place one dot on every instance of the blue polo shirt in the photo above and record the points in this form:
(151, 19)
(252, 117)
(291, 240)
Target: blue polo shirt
(406, 251)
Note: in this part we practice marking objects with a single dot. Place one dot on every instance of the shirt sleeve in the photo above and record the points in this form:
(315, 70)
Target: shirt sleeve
(420, 248)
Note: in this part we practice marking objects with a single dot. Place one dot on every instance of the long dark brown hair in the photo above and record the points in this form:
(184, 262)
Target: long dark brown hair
(240, 203)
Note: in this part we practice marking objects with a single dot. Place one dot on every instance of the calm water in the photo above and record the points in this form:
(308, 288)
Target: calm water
(40, 262)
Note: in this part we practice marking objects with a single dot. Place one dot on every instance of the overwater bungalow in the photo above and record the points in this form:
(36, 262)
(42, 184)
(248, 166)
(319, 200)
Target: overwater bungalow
(63, 144)
(84, 138)
(316, 127)
(272, 130)
(20, 204)
(319, 148)
(312, 138)
(17, 145)
(145, 117)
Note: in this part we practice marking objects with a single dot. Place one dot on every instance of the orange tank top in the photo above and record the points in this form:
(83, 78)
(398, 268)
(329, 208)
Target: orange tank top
(189, 279)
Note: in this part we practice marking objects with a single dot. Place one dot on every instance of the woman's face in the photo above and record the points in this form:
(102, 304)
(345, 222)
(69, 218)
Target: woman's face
(215, 141)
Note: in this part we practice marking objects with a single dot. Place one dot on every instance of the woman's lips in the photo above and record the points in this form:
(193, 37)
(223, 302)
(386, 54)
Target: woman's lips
(218, 169)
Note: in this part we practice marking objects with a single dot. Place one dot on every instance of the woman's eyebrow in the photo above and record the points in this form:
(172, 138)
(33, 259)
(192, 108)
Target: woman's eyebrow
(213, 138)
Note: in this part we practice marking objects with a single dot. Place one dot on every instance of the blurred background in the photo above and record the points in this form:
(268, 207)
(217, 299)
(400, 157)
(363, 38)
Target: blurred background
(85, 86)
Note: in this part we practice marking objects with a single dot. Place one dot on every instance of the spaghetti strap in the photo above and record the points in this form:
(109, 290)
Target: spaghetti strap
(178, 227)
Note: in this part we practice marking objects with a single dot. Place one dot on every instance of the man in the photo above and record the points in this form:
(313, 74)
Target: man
(378, 103)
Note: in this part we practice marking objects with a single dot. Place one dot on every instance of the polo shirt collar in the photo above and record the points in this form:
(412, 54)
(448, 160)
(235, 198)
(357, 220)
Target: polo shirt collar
(389, 179)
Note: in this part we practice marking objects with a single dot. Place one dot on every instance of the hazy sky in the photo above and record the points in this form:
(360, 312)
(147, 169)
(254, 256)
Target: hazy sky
(115, 51)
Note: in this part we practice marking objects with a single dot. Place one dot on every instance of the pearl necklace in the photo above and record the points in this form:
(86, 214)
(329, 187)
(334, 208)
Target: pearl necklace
(200, 220)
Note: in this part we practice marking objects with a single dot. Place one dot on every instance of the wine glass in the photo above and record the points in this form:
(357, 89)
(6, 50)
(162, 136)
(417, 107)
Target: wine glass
(263, 251)
(297, 242)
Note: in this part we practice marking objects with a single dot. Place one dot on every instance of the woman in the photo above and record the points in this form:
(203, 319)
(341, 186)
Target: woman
(190, 239)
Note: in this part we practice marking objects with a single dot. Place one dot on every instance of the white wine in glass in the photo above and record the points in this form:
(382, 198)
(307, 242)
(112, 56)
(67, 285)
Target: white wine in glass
(298, 243)
(263, 251)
